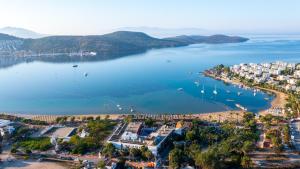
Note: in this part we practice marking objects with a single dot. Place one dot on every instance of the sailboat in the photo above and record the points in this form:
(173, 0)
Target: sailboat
(202, 91)
(215, 91)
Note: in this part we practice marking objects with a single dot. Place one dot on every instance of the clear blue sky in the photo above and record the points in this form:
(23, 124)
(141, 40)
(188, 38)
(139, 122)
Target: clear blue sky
(98, 16)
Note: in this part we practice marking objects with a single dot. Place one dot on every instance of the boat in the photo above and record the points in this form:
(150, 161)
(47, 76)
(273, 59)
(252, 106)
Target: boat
(230, 100)
(180, 89)
(239, 93)
(197, 83)
(227, 91)
(86, 74)
(215, 91)
(266, 98)
(241, 107)
(254, 93)
(118, 105)
(75, 66)
(202, 91)
(131, 110)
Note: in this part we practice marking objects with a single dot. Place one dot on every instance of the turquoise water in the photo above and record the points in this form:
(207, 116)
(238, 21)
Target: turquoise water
(146, 82)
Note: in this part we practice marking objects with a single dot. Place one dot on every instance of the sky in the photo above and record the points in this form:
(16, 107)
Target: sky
(100, 16)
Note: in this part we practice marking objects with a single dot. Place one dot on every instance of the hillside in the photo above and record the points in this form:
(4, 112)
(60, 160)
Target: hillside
(97, 47)
(214, 39)
(7, 37)
(20, 32)
(113, 44)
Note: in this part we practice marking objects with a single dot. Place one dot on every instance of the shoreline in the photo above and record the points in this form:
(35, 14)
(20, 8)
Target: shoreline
(278, 102)
(209, 116)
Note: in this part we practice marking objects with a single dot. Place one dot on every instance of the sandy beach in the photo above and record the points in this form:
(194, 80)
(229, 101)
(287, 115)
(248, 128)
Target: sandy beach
(211, 116)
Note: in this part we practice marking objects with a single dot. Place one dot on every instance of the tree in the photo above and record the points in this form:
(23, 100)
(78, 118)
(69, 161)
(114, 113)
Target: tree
(109, 150)
(193, 150)
(190, 135)
(246, 162)
(128, 119)
(148, 154)
(208, 159)
(149, 122)
(101, 164)
(175, 158)
(72, 119)
(135, 153)
(247, 147)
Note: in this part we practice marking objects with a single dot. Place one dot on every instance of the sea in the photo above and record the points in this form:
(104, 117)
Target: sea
(165, 81)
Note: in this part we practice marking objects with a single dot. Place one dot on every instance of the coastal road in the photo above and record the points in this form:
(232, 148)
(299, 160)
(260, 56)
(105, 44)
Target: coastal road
(295, 134)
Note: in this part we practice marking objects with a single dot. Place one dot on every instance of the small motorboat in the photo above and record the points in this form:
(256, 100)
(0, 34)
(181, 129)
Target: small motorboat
(202, 91)
(131, 110)
(75, 66)
(241, 107)
(215, 92)
(180, 89)
(86, 74)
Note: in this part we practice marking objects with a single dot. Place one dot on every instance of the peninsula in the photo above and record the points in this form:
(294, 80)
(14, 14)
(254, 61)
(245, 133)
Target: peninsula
(97, 47)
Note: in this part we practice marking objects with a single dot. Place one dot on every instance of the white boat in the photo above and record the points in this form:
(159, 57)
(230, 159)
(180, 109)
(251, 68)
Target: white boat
(202, 91)
(254, 93)
(215, 91)
(241, 107)
(197, 83)
(180, 89)
(131, 110)
(239, 93)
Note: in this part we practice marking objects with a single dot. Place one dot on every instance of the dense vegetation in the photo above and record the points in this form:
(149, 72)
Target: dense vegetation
(98, 130)
(214, 39)
(220, 146)
(41, 143)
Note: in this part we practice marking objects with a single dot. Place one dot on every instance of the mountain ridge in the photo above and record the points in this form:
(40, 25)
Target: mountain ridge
(98, 47)
(20, 32)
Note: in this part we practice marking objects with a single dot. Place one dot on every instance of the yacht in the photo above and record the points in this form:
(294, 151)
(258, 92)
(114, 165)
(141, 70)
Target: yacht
(131, 110)
(241, 107)
(202, 91)
(180, 89)
(215, 91)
